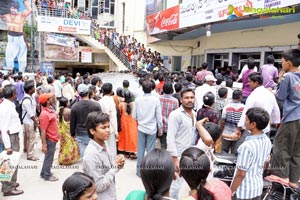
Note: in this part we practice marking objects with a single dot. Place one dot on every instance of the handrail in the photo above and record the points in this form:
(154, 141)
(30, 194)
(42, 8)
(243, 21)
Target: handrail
(117, 52)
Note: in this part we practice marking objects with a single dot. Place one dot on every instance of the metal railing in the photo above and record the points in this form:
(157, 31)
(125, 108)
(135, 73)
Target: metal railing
(61, 12)
(117, 52)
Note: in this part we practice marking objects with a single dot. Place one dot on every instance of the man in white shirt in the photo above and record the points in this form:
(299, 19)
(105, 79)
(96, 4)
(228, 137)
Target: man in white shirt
(259, 97)
(108, 106)
(180, 134)
(203, 89)
(10, 128)
(29, 120)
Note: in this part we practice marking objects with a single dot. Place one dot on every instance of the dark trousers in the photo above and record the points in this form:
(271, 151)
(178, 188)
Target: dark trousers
(48, 160)
(286, 151)
(163, 141)
(15, 145)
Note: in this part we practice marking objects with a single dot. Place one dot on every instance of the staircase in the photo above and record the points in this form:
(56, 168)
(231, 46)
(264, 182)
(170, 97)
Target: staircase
(118, 58)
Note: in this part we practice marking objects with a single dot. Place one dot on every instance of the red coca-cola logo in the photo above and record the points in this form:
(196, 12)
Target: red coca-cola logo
(172, 20)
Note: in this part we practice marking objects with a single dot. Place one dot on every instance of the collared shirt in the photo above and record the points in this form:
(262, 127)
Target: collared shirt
(168, 104)
(252, 155)
(28, 109)
(20, 90)
(9, 119)
(200, 92)
(269, 72)
(98, 163)
(232, 113)
(201, 74)
(108, 106)
(219, 105)
(68, 91)
(289, 93)
(147, 112)
(48, 123)
(246, 90)
(180, 131)
(57, 88)
(263, 98)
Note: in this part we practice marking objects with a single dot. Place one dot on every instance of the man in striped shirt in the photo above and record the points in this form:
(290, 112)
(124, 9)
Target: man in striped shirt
(247, 183)
(168, 104)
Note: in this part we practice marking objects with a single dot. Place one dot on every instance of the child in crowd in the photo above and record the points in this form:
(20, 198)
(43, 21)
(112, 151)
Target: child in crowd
(97, 161)
(221, 100)
(252, 156)
(231, 115)
(195, 167)
(207, 109)
(157, 172)
(79, 186)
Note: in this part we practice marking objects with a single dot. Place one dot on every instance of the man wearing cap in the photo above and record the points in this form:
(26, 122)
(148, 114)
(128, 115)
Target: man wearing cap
(203, 89)
(79, 112)
(49, 134)
(10, 128)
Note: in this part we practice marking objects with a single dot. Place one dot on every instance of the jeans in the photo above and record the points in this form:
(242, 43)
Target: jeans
(145, 142)
(83, 141)
(48, 160)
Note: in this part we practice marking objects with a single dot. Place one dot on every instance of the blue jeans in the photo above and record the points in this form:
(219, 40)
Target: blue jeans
(145, 142)
(83, 141)
(48, 160)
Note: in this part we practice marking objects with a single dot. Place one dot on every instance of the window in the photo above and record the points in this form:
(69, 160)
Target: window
(112, 8)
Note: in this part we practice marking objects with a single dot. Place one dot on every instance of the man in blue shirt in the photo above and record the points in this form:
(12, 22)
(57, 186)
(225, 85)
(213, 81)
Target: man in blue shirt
(147, 112)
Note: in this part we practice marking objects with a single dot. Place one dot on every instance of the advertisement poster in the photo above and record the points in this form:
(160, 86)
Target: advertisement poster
(61, 48)
(8, 165)
(64, 25)
(14, 13)
(47, 68)
(86, 55)
(164, 20)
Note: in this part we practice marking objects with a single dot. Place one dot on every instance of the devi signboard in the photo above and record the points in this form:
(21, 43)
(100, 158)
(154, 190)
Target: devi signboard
(64, 25)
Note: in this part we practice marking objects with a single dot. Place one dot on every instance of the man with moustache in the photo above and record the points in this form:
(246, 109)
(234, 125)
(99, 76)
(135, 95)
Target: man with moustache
(181, 129)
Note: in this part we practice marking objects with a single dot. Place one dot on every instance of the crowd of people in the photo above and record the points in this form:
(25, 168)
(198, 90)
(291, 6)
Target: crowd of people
(192, 115)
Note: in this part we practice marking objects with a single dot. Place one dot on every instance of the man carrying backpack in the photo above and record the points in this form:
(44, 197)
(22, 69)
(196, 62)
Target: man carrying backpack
(10, 128)
(29, 120)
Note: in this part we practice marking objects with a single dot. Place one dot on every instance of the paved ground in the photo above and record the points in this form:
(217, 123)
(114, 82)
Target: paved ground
(36, 188)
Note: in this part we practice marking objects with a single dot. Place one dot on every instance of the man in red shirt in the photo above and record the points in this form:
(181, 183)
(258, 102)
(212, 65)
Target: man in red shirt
(49, 134)
(200, 76)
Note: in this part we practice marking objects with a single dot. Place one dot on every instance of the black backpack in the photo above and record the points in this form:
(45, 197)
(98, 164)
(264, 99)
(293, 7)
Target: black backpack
(19, 108)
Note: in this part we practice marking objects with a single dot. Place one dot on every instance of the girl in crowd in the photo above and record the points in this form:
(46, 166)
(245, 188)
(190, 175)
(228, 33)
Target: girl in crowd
(157, 172)
(195, 167)
(79, 186)
(128, 134)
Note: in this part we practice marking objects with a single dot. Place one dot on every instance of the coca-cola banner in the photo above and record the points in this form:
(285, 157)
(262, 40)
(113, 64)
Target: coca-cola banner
(164, 20)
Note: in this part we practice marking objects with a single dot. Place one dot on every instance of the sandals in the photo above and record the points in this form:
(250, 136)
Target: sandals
(133, 156)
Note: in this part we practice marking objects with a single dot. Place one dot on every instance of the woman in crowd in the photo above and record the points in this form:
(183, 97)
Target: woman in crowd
(128, 134)
(79, 186)
(157, 173)
(69, 151)
(194, 167)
